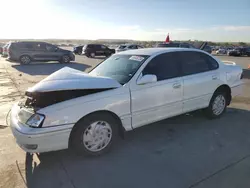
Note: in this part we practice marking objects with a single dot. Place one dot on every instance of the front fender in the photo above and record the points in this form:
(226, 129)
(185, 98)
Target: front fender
(71, 111)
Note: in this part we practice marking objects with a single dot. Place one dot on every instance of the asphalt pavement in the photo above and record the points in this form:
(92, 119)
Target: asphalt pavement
(185, 151)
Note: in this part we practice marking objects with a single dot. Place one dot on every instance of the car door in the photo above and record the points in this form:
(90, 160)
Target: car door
(105, 50)
(51, 52)
(98, 50)
(39, 53)
(200, 79)
(155, 101)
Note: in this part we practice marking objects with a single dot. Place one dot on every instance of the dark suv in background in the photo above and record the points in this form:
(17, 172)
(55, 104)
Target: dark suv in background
(78, 50)
(25, 52)
(92, 50)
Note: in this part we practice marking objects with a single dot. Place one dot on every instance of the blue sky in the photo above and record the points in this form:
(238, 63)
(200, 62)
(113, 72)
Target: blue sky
(221, 20)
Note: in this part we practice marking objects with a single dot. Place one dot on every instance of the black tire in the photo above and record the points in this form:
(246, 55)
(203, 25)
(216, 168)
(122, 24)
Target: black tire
(65, 59)
(210, 113)
(79, 53)
(77, 134)
(25, 60)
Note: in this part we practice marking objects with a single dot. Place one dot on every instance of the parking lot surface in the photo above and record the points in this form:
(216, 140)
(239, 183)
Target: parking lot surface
(185, 151)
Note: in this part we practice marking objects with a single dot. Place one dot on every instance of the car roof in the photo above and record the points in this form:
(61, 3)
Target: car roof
(155, 51)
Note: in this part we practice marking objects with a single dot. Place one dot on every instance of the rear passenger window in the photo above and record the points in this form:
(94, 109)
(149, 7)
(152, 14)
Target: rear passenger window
(193, 63)
(212, 63)
(39, 46)
(29, 46)
(164, 66)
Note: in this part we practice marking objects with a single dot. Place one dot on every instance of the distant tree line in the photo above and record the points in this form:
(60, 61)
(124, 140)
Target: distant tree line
(73, 42)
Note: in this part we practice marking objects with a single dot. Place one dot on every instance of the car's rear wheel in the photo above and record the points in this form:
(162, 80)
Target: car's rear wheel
(94, 134)
(92, 54)
(79, 53)
(217, 105)
(65, 59)
(25, 59)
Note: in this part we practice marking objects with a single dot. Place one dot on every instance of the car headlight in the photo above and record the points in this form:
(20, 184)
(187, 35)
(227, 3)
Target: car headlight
(35, 120)
(30, 118)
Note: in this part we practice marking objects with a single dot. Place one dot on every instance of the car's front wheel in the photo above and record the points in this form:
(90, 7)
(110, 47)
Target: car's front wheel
(94, 134)
(217, 105)
(25, 59)
(65, 59)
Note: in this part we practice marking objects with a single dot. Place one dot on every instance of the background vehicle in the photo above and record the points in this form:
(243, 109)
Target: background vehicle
(221, 51)
(78, 50)
(174, 45)
(126, 91)
(208, 49)
(125, 47)
(234, 52)
(5, 50)
(92, 50)
(239, 52)
(25, 52)
(1, 49)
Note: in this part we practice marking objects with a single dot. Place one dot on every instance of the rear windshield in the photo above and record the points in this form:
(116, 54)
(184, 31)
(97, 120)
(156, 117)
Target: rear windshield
(167, 45)
(119, 67)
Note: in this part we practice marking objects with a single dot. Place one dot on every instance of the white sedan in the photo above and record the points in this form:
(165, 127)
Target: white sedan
(86, 112)
(221, 51)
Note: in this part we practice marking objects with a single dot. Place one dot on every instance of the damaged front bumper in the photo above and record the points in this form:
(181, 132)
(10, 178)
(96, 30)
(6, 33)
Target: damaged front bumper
(38, 140)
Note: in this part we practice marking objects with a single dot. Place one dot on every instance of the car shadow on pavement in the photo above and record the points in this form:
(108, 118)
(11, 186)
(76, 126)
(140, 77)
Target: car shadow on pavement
(48, 68)
(176, 152)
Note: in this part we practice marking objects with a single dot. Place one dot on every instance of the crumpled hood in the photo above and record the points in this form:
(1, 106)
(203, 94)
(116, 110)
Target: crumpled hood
(72, 79)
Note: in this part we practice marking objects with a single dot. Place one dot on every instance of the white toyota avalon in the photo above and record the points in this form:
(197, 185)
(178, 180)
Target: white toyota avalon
(86, 112)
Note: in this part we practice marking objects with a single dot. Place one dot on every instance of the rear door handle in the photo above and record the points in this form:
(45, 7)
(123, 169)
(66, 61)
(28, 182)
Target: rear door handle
(176, 85)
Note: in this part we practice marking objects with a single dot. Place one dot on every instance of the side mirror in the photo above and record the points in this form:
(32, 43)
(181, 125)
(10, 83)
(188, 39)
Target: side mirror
(146, 79)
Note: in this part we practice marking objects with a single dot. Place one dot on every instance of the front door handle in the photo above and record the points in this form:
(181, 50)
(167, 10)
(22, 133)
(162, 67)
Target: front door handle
(176, 85)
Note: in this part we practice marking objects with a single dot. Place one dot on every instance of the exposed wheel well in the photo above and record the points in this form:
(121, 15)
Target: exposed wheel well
(108, 113)
(226, 89)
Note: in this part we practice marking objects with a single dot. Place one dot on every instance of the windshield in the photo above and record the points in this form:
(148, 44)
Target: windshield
(119, 67)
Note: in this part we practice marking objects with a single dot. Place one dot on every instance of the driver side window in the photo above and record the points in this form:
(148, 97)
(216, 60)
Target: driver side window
(103, 47)
(164, 66)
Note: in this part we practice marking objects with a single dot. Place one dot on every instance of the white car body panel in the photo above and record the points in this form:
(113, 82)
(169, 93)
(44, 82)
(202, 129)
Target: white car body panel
(70, 111)
(198, 89)
(163, 100)
(135, 105)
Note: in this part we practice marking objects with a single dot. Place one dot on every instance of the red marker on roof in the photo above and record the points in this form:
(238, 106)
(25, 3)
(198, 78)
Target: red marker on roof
(167, 39)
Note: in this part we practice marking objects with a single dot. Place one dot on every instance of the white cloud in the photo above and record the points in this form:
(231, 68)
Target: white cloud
(231, 28)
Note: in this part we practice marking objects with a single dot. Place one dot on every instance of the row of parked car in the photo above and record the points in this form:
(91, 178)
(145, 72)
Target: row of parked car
(27, 51)
(240, 51)
(92, 50)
